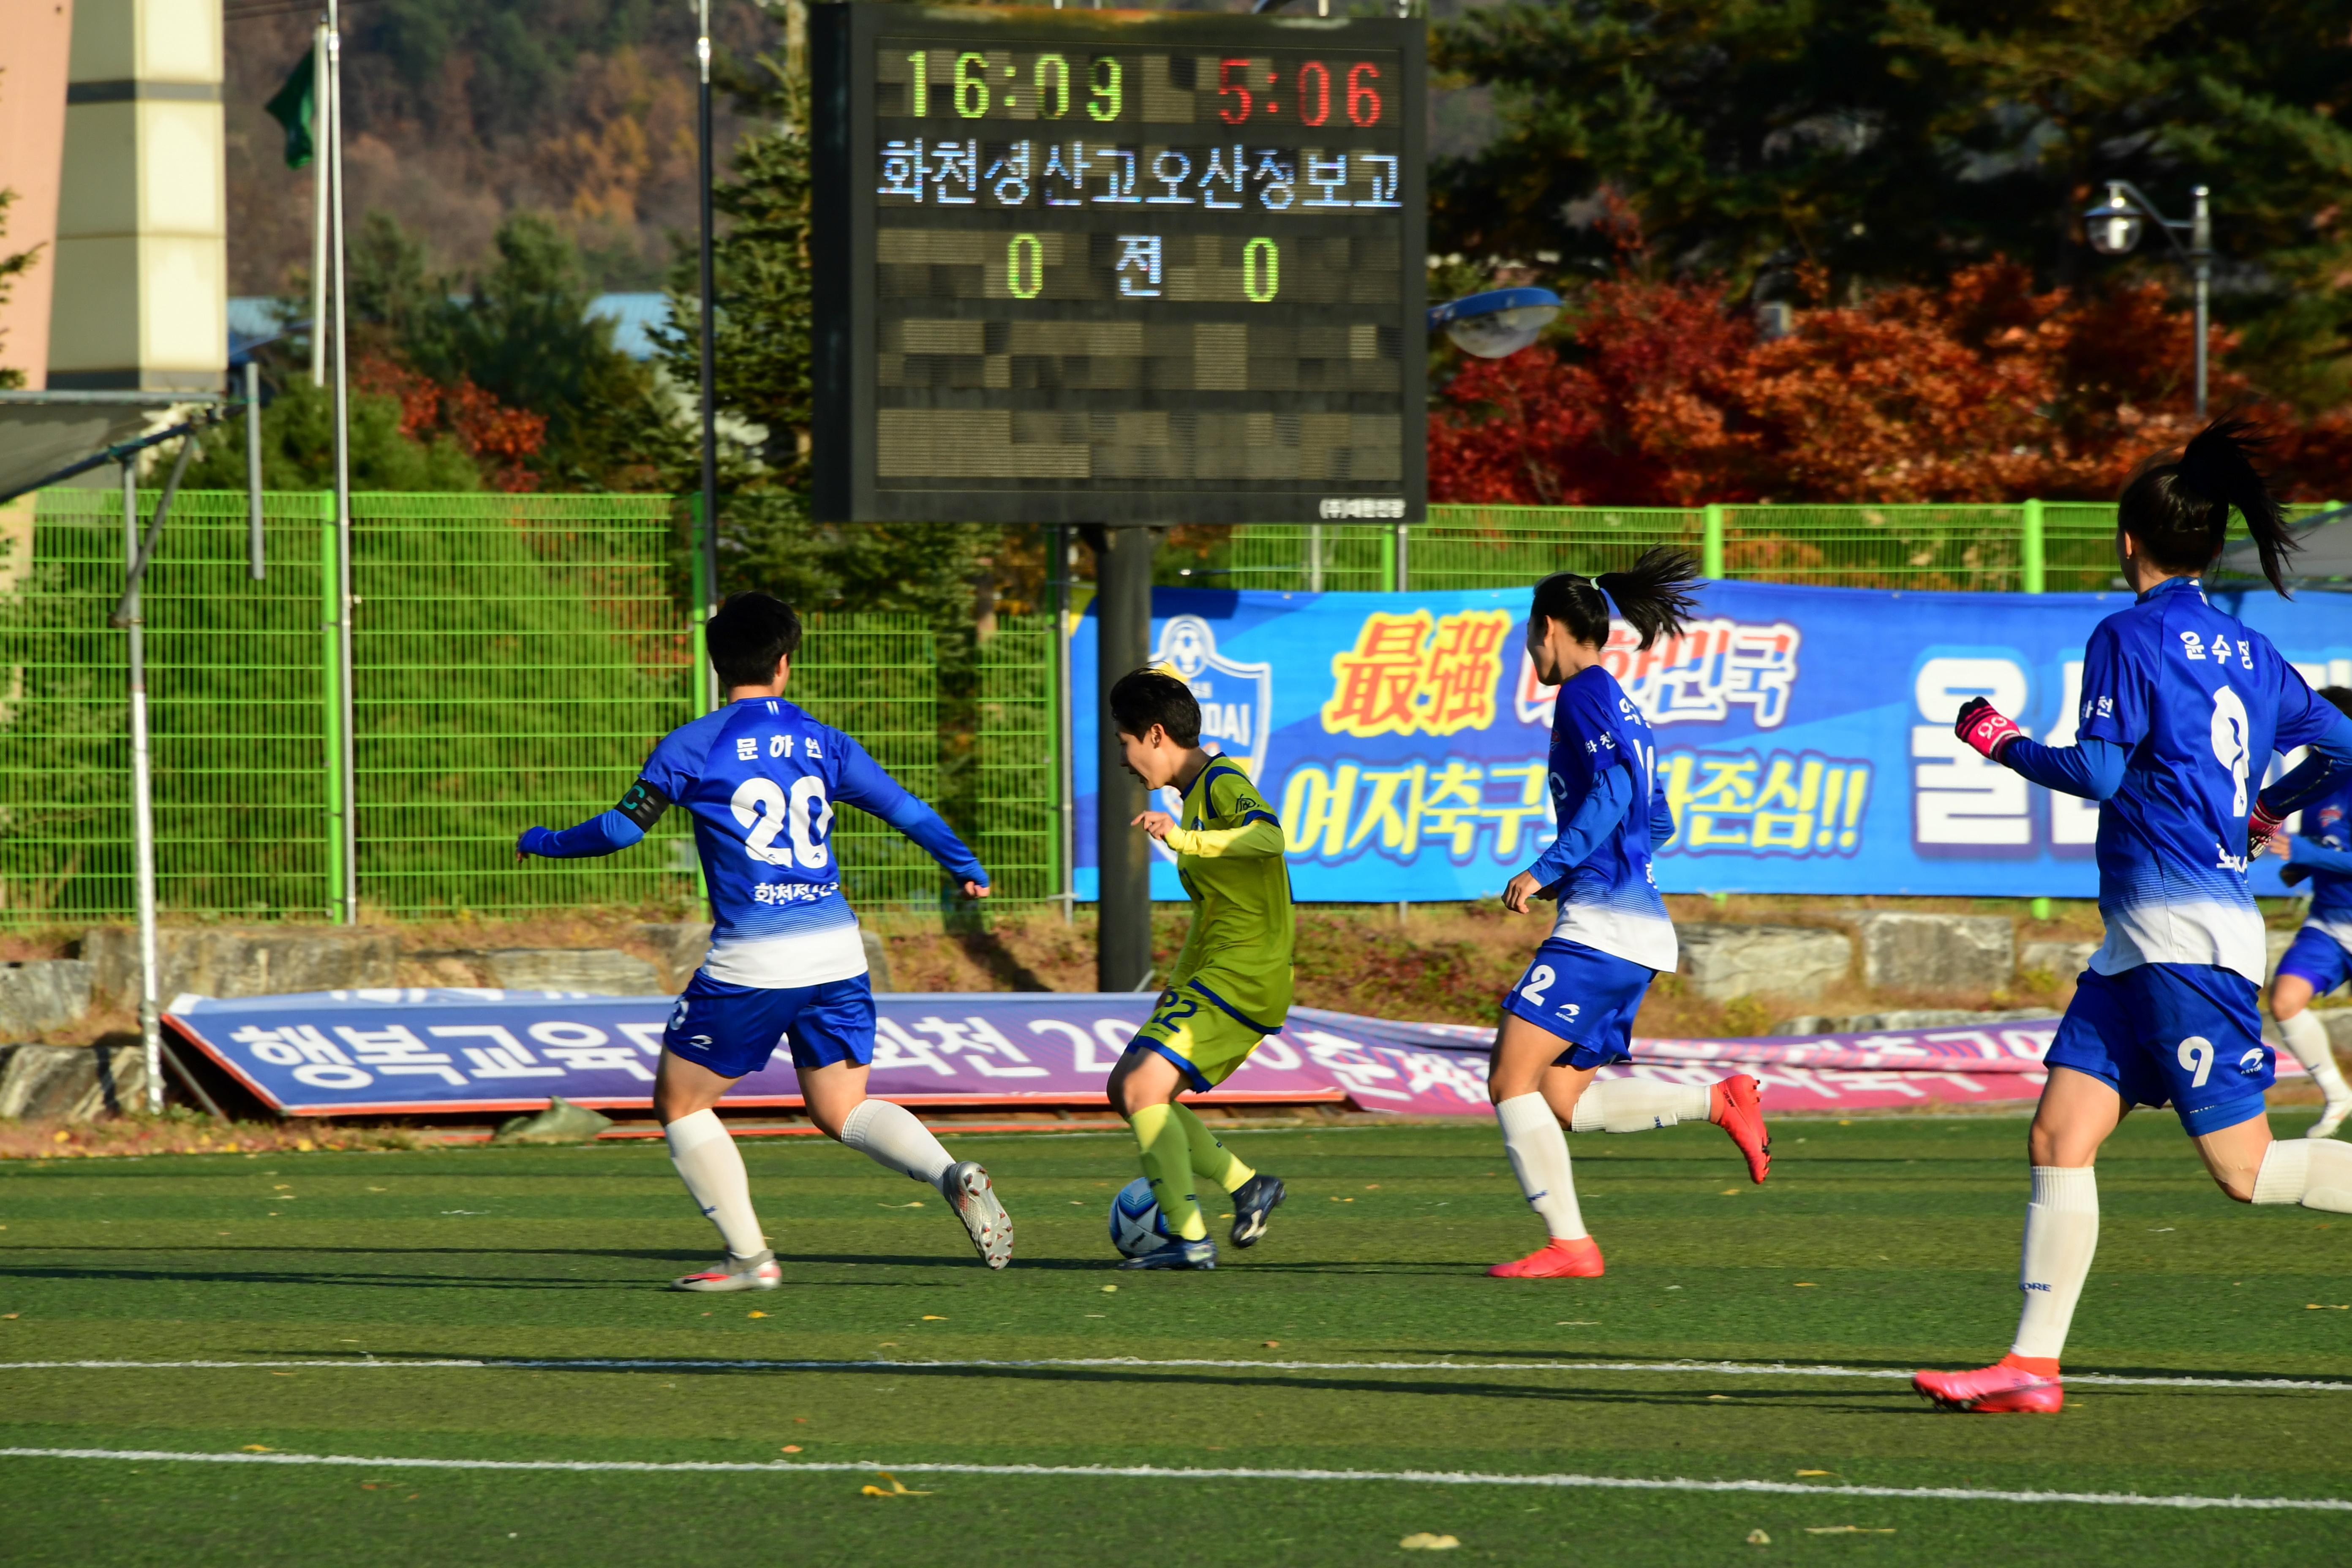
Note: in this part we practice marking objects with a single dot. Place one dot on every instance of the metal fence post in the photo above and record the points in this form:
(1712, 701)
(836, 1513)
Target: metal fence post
(330, 672)
(1710, 547)
(1387, 561)
(2029, 549)
(1403, 567)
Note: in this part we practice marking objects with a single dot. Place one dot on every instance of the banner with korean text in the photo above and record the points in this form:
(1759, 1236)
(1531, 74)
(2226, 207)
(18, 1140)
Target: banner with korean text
(1804, 735)
(408, 1051)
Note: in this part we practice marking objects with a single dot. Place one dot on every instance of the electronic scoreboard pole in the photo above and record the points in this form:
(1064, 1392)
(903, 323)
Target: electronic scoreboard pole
(1122, 269)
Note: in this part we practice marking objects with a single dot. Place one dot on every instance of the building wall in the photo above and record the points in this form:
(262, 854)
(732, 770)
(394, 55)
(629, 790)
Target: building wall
(36, 39)
(141, 285)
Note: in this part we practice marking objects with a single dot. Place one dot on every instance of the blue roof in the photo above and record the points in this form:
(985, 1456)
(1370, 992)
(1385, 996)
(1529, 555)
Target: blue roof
(254, 320)
(634, 317)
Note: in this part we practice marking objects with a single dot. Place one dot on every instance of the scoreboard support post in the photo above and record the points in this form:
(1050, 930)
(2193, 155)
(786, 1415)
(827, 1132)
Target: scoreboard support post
(1123, 625)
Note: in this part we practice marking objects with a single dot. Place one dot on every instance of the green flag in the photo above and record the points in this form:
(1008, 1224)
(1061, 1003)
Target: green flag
(292, 108)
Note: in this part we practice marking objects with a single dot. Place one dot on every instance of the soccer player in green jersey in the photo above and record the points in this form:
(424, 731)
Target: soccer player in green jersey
(1230, 985)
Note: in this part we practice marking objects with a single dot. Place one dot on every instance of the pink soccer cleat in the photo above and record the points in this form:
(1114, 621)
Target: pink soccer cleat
(2001, 1389)
(1738, 1111)
(1555, 1260)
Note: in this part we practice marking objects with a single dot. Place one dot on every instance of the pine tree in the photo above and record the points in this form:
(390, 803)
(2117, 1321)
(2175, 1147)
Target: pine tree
(761, 353)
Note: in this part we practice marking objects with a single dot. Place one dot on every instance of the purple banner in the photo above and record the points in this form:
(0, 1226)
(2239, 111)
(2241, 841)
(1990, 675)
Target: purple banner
(344, 1053)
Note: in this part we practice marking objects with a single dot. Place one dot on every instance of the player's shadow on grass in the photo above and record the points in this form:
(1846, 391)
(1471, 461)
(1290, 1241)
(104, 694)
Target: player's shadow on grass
(1870, 1402)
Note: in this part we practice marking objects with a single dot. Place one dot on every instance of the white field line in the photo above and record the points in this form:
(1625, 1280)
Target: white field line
(1161, 1472)
(688, 1363)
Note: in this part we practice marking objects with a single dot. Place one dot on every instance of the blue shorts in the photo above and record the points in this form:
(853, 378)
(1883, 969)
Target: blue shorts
(734, 1030)
(2318, 958)
(2183, 1034)
(1586, 997)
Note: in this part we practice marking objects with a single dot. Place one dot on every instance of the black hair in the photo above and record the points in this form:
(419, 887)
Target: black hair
(749, 634)
(1146, 697)
(2180, 509)
(1655, 594)
(2339, 695)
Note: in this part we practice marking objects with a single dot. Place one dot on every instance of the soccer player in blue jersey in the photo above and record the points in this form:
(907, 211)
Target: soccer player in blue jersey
(1572, 1012)
(762, 780)
(2183, 708)
(2321, 956)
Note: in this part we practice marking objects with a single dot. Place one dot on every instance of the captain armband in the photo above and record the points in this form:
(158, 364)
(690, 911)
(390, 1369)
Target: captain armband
(643, 805)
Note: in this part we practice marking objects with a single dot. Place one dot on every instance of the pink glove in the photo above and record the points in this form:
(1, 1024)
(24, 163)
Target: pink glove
(2261, 825)
(1985, 726)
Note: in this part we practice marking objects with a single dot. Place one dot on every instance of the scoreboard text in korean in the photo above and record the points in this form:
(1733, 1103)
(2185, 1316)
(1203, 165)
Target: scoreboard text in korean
(1117, 266)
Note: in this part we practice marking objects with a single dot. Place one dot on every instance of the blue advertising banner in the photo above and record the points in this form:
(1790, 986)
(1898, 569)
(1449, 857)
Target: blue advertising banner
(1805, 734)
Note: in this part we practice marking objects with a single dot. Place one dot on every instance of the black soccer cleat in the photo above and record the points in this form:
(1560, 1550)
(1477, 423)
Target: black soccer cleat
(1253, 1204)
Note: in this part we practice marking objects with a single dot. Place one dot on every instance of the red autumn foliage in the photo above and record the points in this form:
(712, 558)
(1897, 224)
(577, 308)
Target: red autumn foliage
(1981, 390)
(501, 440)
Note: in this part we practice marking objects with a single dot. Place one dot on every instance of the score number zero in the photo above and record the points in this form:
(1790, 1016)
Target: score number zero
(1138, 268)
(1312, 90)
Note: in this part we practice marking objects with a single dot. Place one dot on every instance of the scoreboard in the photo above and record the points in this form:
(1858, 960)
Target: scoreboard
(1117, 266)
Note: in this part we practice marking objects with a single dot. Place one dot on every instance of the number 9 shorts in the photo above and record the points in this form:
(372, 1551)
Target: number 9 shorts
(1585, 996)
(2183, 1034)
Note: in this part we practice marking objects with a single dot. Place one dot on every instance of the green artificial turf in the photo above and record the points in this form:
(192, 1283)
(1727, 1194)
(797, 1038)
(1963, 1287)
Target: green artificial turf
(1879, 1243)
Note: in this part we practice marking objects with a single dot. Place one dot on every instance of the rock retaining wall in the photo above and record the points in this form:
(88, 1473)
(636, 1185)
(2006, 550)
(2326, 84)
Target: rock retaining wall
(223, 961)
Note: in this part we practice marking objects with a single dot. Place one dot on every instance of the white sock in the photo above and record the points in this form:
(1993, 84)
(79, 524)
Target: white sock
(1638, 1105)
(2307, 1037)
(712, 1168)
(890, 1135)
(1538, 1152)
(2314, 1172)
(2061, 1232)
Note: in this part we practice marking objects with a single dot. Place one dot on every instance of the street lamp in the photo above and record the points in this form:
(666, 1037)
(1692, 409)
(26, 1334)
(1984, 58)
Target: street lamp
(2113, 226)
(1496, 323)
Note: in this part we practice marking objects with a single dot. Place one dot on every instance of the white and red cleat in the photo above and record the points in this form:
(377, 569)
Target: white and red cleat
(1555, 1260)
(1738, 1111)
(758, 1272)
(1999, 1389)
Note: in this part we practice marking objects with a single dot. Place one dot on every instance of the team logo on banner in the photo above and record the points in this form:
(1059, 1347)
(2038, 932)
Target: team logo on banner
(1236, 700)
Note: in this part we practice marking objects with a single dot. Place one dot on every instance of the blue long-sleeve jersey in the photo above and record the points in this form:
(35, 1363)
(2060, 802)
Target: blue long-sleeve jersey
(2324, 849)
(2182, 709)
(761, 779)
(1612, 816)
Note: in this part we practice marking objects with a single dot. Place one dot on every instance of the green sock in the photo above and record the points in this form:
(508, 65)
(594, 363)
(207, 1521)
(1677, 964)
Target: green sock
(1211, 1158)
(1168, 1166)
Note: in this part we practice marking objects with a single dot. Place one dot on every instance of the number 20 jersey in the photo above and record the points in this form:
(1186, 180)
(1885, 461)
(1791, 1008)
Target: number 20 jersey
(762, 779)
(2201, 702)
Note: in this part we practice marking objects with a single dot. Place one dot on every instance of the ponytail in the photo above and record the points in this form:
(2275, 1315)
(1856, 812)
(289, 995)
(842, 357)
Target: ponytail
(2179, 512)
(1653, 595)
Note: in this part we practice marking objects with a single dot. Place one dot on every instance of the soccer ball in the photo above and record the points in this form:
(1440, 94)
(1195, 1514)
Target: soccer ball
(1136, 1226)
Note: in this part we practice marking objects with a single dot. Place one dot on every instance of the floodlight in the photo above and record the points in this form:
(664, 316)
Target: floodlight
(1498, 322)
(2113, 226)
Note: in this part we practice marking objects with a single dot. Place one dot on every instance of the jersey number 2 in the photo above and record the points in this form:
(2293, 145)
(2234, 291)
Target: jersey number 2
(761, 805)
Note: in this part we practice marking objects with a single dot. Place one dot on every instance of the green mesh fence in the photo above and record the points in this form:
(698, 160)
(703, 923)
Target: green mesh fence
(236, 703)
(1018, 749)
(1919, 547)
(1509, 547)
(516, 657)
(876, 676)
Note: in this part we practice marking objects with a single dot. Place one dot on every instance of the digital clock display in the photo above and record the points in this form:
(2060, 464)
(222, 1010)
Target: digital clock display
(1116, 267)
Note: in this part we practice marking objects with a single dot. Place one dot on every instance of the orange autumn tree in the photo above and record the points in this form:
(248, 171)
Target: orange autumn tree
(499, 439)
(1981, 389)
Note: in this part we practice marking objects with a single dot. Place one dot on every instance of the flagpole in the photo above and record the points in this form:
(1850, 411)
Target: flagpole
(318, 213)
(345, 764)
(707, 287)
